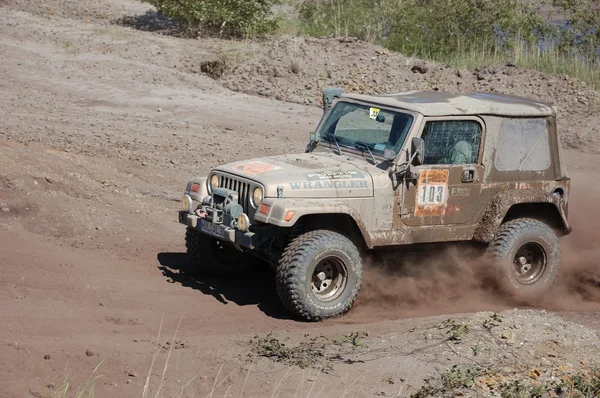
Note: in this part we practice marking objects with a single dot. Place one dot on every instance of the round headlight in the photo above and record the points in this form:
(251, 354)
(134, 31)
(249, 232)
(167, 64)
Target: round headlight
(257, 196)
(243, 223)
(186, 203)
(214, 182)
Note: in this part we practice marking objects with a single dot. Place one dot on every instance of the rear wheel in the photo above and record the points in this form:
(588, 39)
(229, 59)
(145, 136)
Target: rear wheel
(526, 254)
(212, 256)
(319, 275)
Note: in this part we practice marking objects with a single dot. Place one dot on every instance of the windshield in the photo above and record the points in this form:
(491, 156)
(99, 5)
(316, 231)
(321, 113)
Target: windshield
(365, 127)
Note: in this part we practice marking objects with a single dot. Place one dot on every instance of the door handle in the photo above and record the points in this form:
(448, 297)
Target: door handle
(468, 175)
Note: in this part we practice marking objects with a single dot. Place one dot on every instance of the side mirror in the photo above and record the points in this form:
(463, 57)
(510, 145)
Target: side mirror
(418, 151)
(329, 94)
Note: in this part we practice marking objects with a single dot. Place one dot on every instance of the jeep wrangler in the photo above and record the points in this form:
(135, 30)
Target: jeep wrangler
(389, 171)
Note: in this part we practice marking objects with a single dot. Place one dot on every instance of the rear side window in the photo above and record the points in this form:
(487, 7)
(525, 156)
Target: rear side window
(523, 145)
(452, 141)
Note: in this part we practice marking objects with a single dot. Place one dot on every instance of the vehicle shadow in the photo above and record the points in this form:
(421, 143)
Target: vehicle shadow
(254, 288)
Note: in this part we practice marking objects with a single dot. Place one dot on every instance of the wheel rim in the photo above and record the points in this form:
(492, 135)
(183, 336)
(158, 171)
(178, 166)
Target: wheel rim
(329, 279)
(529, 263)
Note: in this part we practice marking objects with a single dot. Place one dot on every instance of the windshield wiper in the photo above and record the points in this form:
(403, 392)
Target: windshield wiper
(360, 144)
(335, 141)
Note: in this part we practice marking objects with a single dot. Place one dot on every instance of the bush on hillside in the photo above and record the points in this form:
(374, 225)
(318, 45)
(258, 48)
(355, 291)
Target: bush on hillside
(581, 33)
(437, 29)
(229, 18)
(428, 28)
(365, 19)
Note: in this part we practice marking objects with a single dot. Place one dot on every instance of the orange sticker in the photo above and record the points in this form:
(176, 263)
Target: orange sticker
(432, 193)
(254, 168)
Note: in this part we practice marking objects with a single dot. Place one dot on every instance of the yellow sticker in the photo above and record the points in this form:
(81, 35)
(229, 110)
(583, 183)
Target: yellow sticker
(374, 113)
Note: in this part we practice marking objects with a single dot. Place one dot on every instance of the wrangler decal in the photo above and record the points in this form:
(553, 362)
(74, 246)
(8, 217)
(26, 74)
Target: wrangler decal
(329, 184)
(432, 193)
(334, 175)
(254, 168)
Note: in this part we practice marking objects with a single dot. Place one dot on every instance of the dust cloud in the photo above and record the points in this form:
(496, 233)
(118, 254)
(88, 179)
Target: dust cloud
(435, 280)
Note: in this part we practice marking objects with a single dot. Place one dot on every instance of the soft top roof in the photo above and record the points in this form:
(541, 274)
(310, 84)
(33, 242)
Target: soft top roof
(436, 103)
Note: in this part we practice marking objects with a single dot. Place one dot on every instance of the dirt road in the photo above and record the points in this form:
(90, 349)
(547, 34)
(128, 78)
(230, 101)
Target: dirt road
(102, 126)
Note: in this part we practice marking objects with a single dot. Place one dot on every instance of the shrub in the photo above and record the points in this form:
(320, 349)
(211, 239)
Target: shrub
(365, 19)
(436, 29)
(580, 35)
(232, 18)
(423, 27)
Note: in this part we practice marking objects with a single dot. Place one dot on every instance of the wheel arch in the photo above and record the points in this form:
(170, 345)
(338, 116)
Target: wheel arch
(342, 223)
(510, 205)
(333, 216)
(545, 212)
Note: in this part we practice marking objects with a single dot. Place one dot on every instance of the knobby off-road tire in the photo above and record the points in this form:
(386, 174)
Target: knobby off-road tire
(319, 275)
(209, 256)
(526, 257)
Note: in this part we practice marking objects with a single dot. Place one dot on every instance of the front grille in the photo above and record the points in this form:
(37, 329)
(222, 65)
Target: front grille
(241, 187)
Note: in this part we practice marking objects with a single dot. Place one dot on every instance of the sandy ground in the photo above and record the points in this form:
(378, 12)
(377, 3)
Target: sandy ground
(102, 126)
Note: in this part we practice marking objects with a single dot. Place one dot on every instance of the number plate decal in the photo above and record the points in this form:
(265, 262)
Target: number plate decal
(432, 193)
(211, 229)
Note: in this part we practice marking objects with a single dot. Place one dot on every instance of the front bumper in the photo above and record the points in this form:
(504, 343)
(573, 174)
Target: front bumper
(246, 240)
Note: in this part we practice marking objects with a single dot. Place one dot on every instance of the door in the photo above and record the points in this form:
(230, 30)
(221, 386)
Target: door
(445, 189)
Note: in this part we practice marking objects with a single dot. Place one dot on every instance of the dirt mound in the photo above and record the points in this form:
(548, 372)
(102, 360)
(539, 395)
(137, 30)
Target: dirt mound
(297, 69)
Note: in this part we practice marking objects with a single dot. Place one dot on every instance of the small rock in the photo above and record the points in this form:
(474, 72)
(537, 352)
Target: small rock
(173, 162)
(419, 68)
(159, 109)
(144, 163)
(131, 373)
(89, 352)
(47, 356)
(5, 210)
(48, 180)
(510, 338)
(129, 381)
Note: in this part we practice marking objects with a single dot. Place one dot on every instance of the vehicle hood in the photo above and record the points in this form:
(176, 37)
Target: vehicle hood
(308, 175)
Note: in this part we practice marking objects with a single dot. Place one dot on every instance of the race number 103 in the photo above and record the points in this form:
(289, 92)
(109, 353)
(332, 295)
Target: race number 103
(432, 195)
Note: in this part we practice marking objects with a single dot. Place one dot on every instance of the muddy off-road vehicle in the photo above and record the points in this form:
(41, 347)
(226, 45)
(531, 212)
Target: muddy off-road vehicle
(385, 171)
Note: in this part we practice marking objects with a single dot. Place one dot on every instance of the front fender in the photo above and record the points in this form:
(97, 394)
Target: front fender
(281, 210)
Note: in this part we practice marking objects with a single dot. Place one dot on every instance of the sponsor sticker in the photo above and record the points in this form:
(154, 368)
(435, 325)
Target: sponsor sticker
(254, 168)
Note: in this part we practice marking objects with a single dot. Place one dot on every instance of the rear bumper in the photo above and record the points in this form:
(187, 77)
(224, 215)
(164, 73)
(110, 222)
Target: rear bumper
(222, 232)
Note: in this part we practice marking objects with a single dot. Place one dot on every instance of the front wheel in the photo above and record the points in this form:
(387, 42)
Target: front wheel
(526, 255)
(319, 275)
(211, 256)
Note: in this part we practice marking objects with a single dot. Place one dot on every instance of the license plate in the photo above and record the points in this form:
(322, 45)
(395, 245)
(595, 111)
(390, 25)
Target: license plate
(212, 229)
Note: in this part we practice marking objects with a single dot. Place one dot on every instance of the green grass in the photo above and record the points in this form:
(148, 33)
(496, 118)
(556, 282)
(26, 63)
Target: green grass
(548, 60)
